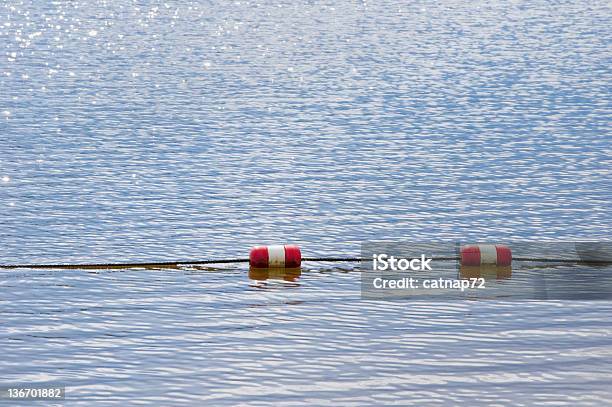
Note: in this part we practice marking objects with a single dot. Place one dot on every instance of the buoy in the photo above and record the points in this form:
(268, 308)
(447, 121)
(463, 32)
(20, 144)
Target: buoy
(475, 255)
(287, 256)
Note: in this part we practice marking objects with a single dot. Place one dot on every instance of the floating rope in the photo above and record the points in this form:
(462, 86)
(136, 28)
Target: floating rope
(570, 261)
(178, 264)
(159, 264)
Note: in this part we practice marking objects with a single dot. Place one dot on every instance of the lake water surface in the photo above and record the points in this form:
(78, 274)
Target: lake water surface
(136, 131)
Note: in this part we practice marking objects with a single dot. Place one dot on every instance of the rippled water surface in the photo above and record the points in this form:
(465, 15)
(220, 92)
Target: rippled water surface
(136, 131)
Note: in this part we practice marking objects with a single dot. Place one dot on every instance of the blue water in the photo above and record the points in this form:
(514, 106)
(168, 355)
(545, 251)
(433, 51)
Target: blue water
(135, 131)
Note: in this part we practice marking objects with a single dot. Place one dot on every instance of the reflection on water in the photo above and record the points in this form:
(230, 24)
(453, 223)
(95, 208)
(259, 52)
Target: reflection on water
(287, 274)
(488, 272)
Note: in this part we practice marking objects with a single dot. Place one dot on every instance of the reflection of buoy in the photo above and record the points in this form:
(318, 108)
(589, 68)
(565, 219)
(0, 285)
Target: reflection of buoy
(280, 256)
(487, 271)
(287, 274)
(478, 254)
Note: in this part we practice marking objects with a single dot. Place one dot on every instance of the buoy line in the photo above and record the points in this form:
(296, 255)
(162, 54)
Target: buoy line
(156, 264)
(289, 256)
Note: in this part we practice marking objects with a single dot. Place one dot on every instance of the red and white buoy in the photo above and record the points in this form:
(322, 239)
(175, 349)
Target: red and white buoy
(279, 256)
(475, 255)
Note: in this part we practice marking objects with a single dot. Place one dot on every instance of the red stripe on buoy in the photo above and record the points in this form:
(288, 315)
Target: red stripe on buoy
(504, 255)
(470, 256)
(259, 256)
(293, 256)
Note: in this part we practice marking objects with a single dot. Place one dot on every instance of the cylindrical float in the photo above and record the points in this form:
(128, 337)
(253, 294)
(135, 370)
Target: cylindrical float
(478, 254)
(279, 256)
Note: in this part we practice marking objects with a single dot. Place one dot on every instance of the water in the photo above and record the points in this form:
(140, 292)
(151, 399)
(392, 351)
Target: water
(183, 130)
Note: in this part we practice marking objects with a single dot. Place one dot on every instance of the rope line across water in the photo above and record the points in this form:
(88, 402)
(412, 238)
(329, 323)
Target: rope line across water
(176, 264)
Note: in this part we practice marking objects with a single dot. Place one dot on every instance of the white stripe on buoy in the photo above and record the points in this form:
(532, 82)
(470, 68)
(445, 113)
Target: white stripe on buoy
(276, 256)
(488, 254)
